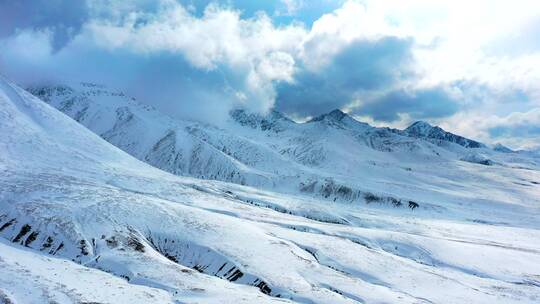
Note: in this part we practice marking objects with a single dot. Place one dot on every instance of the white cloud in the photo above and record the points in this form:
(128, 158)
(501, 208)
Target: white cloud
(219, 37)
(334, 31)
(480, 125)
(452, 41)
(471, 41)
(455, 41)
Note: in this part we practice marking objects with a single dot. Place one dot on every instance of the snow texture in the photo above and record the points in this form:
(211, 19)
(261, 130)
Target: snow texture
(334, 211)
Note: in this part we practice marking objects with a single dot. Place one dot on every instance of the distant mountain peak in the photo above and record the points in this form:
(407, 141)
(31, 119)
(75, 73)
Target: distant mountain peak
(334, 115)
(422, 129)
(337, 114)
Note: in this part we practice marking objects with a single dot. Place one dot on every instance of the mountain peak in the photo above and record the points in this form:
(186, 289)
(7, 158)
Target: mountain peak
(337, 114)
(334, 115)
(422, 129)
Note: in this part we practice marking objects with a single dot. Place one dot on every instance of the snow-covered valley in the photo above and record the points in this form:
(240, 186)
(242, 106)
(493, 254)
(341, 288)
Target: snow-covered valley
(260, 210)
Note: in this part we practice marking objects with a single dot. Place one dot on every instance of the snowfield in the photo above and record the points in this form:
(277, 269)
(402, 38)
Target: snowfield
(330, 211)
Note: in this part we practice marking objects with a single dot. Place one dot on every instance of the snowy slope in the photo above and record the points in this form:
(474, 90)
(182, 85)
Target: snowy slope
(67, 194)
(29, 277)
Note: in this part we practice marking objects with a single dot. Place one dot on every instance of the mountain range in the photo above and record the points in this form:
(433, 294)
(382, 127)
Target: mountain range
(330, 155)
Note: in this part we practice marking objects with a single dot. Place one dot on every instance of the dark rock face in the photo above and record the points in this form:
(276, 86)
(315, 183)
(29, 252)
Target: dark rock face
(413, 205)
(421, 129)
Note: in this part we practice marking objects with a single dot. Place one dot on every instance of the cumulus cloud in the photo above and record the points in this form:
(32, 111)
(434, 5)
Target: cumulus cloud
(334, 31)
(359, 68)
(254, 47)
(214, 61)
(63, 18)
(420, 104)
(389, 62)
(354, 58)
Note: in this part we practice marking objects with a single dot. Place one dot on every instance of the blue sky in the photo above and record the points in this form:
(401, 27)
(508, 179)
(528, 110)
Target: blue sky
(471, 66)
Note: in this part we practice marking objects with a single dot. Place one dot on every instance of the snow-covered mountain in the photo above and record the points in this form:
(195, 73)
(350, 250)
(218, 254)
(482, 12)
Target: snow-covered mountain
(83, 221)
(329, 156)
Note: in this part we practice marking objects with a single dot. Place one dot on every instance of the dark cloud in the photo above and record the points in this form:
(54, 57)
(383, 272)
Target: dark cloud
(363, 66)
(420, 104)
(63, 18)
(360, 71)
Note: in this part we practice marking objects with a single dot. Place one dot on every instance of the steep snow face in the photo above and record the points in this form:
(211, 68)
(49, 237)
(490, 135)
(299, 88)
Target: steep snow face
(421, 129)
(66, 194)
